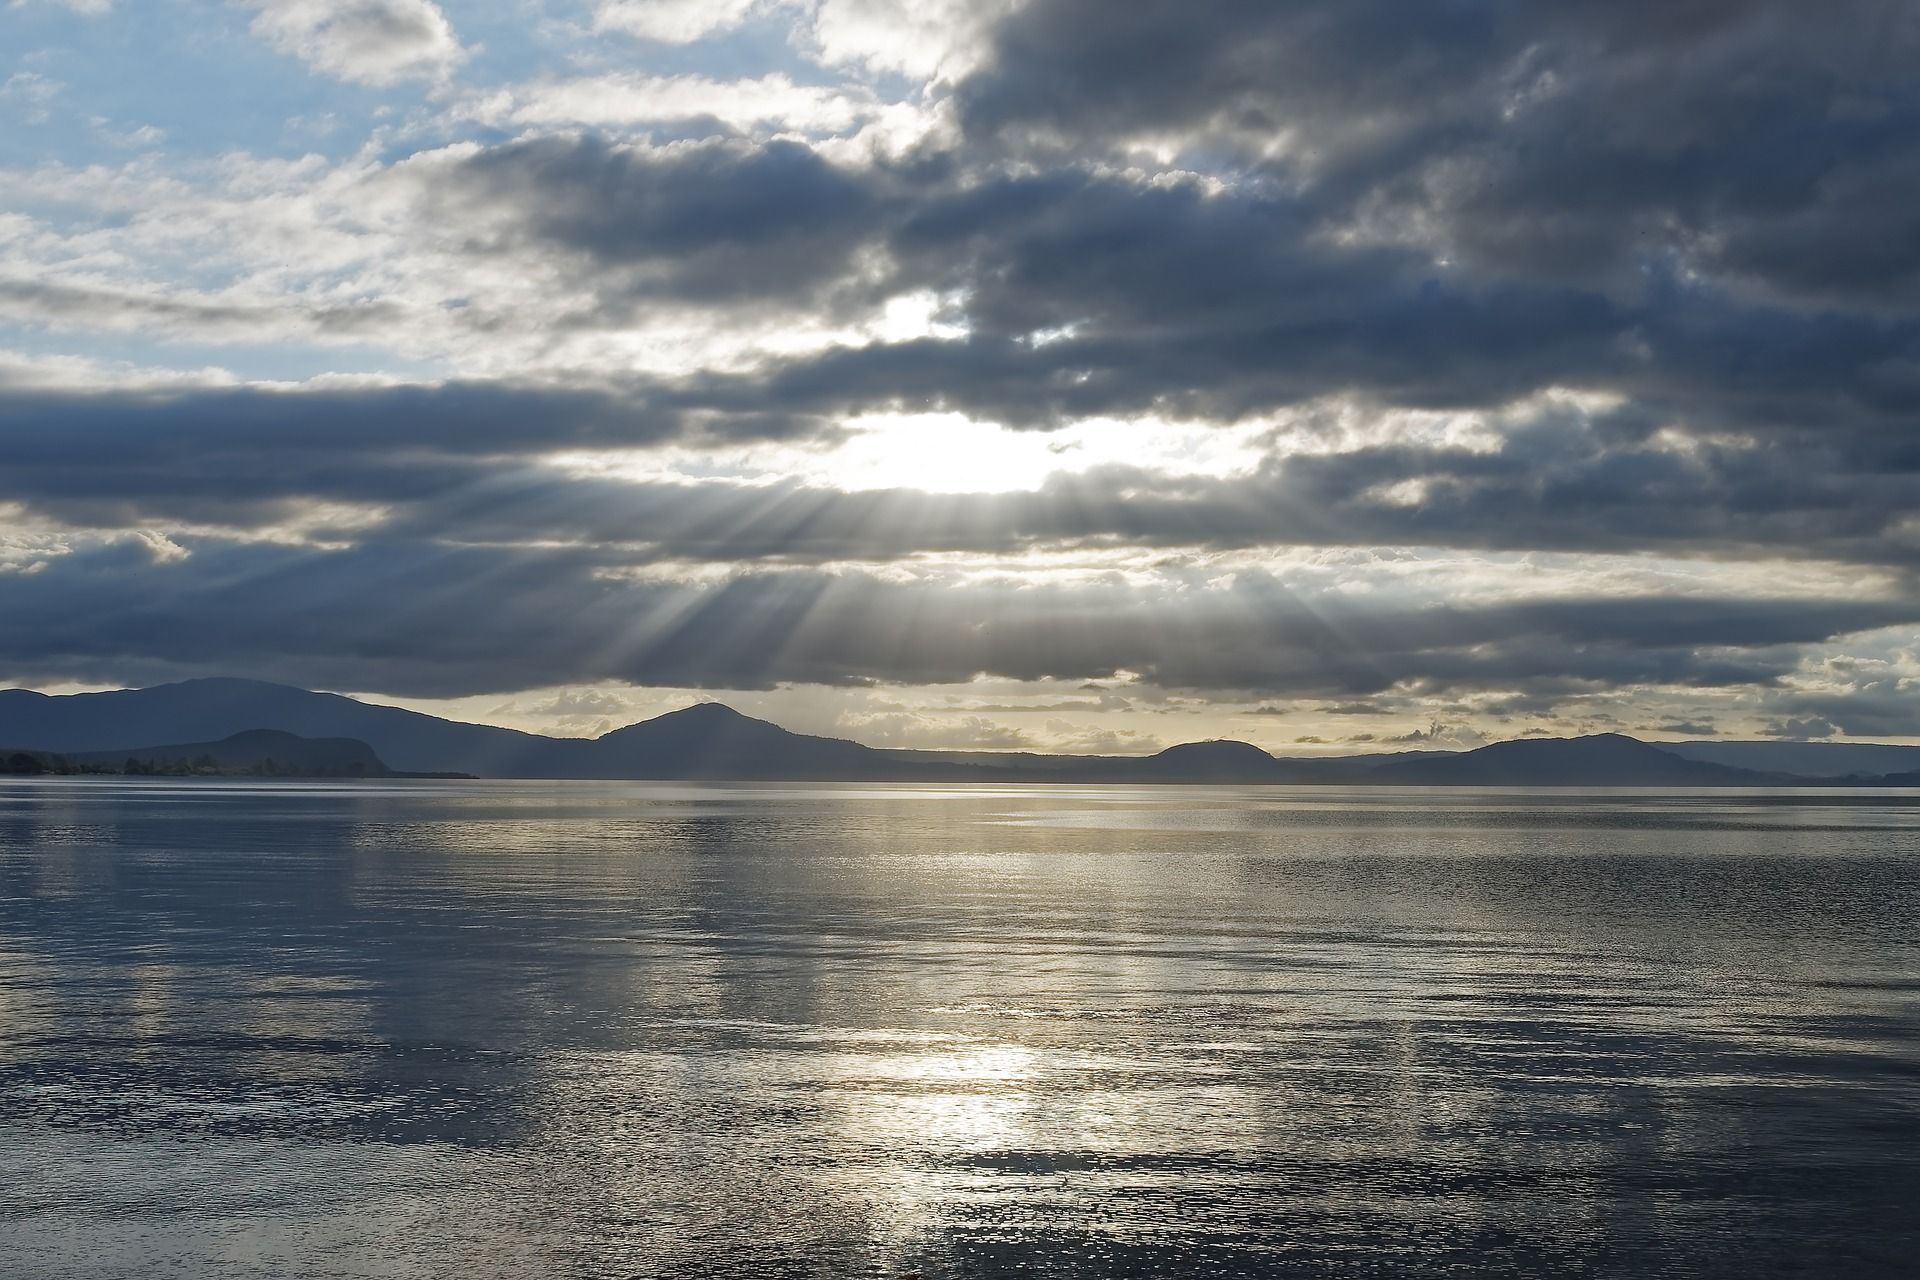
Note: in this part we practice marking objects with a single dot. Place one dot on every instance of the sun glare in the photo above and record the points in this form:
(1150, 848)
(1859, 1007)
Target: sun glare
(950, 453)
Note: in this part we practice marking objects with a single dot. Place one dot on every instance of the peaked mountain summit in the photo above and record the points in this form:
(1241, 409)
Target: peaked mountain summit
(1218, 760)
(712, 740)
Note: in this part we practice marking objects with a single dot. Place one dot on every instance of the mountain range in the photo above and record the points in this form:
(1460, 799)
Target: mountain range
(712, 741)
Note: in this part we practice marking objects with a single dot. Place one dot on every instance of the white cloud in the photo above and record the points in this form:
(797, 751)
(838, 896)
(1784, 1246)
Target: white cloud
(925, 39)
(375, 42)
(613, 100)
(922, 39)
(34, 92)
(939, 732)
(91, 8)
(671, 21)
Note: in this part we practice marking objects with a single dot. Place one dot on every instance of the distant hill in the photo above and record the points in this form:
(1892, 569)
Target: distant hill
(711, 741)
(1599, 760)
(1221, 760)
(256, 752)
(270, 751)
(708, 740)
(26, 764)
(215, 709)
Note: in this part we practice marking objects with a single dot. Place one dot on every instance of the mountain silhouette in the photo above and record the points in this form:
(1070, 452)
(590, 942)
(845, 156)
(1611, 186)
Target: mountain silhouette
(1219, 760)
(710, 740)
(1598, 760)
(216, 708)
(713, 741)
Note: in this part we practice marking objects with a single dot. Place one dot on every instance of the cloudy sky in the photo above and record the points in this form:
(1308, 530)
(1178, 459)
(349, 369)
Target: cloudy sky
(1061, 374)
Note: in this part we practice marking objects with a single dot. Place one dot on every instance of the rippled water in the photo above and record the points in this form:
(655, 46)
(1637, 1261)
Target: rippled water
(498, 1029)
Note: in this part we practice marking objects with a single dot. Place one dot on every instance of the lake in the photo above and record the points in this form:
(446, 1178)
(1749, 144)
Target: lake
(504, 1029)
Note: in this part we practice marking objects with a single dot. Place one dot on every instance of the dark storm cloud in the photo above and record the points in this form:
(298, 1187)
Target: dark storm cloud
(1559, 482)
(711, 221)
(1800, 730)
(1760, 139)
(458, 463)
(1090, 293)
(240, 455)
(1169, 296)
(1876, 706)
(428, 619)
(1214, 305)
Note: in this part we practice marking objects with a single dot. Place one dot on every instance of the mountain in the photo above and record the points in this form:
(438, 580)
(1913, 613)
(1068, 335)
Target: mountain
(214, 709)
(703, 741)
(1598, 760)
(711, 741)
(272, 750)
(708, 740)
(1221, 760)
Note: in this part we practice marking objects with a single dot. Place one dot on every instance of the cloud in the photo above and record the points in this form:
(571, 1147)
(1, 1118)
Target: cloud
(954, 733)
(671, 21)
(1083, 739)
(1074, 291)
(1802, 729)
(375, 42)
(1688, 728)
(1443, 737)
(921, 39)
(1541, 490)
(1578, 142)
(626, 99)
(1884, 705)
(580, 702)
(34, 92)
(89, 8)
(238, 454)
(713, 221)
(469, 462)
(111, 308)
(433, 619)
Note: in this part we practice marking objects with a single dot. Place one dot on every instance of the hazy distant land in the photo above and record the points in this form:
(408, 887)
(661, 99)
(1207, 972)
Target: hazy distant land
(233, 727)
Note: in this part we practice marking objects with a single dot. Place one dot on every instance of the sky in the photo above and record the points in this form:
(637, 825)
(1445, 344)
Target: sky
(1053, 374)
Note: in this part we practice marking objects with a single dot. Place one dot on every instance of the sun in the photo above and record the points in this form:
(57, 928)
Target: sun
(942, 453)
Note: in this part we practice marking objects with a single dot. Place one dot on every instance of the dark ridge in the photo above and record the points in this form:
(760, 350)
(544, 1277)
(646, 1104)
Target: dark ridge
(1599, 760)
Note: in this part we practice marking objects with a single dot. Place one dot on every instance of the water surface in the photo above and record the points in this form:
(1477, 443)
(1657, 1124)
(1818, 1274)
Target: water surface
(499, 1029)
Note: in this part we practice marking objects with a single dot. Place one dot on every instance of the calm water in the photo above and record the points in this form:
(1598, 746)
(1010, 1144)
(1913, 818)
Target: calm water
(493, 1029)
